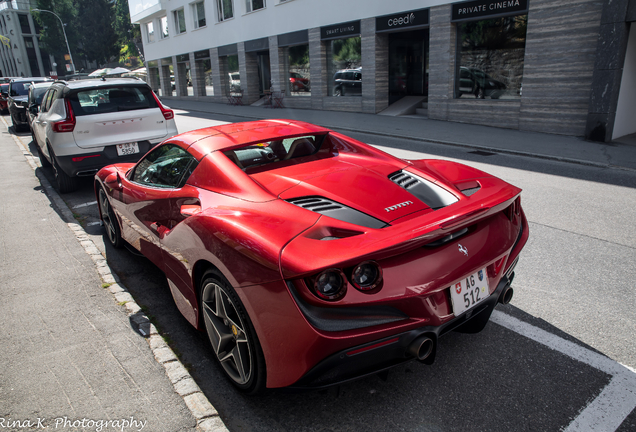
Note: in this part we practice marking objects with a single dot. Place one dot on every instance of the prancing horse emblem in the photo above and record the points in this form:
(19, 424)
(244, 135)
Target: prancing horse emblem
(463, 250)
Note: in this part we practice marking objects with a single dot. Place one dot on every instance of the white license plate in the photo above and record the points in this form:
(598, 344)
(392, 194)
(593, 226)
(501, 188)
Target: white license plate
(127, 149)
(469, 292)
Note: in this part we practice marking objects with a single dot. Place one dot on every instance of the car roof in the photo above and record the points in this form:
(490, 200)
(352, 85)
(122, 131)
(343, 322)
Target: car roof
(204, 141)
(31, 79)
(100, 82)
(42, 84)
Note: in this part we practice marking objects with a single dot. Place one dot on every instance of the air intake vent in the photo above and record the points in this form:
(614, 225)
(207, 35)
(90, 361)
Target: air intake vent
(403, 179)
(428, 192)
(338, 211)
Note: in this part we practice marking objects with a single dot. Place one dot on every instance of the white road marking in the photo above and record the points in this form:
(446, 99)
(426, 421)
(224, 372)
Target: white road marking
(618, 398)
(85, 204)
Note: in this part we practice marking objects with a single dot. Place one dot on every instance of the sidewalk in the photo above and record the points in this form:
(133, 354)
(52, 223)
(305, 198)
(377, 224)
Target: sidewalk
(540, 145)
(72, 354)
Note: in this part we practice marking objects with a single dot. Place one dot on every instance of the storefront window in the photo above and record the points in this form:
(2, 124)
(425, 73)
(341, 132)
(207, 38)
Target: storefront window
(206, 67)
(231, 70)
(298, 70)
(490, 58)
(344, 67)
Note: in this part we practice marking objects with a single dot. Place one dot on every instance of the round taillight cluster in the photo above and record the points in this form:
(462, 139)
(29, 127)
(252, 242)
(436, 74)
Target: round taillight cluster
(331, 284)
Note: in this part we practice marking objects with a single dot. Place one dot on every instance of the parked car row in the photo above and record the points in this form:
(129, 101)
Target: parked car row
(81, 126)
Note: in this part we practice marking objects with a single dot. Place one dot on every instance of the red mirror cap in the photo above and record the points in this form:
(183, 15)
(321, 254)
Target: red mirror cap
(113, 181)
(190, 210)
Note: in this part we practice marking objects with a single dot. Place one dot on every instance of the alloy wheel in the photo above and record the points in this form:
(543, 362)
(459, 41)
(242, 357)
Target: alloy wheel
(227, 333)
(108, 218)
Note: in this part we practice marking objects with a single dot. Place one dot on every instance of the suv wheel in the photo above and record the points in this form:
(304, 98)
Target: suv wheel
(65, 183)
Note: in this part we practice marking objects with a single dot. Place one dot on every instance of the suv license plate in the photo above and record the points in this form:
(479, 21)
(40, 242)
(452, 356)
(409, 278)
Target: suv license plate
(127, 149)
(469, 292)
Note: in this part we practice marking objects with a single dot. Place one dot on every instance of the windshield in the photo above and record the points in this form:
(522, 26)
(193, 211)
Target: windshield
(111, 99)
(20, 89)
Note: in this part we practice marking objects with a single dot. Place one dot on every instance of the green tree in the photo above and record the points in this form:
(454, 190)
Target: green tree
(95, 20)
(127, 33)
(51, 35)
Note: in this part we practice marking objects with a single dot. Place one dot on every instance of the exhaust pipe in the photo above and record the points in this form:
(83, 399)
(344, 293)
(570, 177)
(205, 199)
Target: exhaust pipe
(421, 348)
(506, 295)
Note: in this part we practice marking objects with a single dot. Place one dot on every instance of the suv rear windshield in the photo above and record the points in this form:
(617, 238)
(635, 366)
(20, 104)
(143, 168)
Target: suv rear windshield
(111, 99)
(20, 89)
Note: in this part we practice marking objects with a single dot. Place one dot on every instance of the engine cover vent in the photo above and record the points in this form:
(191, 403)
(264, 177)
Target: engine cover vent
(428, 192)
(338, 211)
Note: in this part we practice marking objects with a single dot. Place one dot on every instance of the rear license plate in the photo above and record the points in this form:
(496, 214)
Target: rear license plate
(127, 149)
(469, 292)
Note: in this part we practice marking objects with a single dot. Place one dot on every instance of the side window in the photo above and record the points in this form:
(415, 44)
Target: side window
(167, 166)
(48, 100)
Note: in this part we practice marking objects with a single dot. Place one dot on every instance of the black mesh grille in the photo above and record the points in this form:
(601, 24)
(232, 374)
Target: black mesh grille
(336, 210)
(403, 179)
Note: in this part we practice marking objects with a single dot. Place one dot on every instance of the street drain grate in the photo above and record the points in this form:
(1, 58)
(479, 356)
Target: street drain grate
(482, 153)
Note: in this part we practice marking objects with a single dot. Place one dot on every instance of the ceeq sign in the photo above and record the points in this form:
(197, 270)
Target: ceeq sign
(410, 19)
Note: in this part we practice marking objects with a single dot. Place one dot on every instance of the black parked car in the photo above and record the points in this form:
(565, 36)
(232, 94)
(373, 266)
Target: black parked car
(347, 82)
(18, 95)
(478, 83)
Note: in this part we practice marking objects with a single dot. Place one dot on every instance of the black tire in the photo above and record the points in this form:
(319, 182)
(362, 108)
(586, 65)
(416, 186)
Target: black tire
(231, 334)
(107, 215)
(64, 182)
(43, 160)
(338, 91)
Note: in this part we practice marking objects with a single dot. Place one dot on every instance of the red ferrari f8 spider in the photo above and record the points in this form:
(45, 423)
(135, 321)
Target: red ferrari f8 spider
(310, 258)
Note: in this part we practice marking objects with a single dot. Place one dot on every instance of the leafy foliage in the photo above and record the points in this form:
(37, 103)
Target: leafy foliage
(97, 30)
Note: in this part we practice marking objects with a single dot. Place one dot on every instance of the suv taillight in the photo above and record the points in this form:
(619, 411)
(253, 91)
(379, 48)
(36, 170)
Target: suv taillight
(68, 124)
(168, 114)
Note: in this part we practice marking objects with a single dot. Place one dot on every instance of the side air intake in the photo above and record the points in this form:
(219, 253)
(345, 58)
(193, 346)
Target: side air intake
(338, 211)
(428, 192)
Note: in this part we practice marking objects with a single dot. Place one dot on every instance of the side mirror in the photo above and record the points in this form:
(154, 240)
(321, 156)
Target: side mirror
(113, 181)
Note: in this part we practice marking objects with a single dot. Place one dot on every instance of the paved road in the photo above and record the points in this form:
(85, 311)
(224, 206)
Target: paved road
(551, 361)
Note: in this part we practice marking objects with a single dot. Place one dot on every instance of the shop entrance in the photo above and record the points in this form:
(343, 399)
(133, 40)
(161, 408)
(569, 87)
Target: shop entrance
(408, 64)
(264, 73)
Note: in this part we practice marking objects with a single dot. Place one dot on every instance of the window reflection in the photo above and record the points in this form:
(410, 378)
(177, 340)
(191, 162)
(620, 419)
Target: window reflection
(344, 65)
(230, 67)
(490, 58)
(298, 70)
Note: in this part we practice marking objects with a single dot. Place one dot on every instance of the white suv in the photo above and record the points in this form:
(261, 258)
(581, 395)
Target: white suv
(85, 125)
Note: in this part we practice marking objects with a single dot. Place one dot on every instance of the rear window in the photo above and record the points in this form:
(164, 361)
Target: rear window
(111, 99)
(20, 89)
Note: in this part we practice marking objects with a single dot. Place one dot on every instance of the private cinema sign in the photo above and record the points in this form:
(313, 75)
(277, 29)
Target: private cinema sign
(488, 8)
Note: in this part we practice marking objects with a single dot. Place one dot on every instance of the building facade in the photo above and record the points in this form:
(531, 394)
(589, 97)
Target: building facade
(565, 66)
(20, 53)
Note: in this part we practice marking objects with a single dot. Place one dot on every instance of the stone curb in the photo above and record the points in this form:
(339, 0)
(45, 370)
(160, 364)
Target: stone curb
(207, 417)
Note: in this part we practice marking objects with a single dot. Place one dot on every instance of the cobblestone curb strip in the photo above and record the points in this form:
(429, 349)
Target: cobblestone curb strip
(207, 417)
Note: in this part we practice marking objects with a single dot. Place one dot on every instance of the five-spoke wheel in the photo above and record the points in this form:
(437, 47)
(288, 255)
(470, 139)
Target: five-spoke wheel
(231, 335)
(108, 218)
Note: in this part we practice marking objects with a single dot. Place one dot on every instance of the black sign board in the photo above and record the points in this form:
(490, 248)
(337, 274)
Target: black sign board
(295, 38)
(339, 31)
(201, 54)
(166, 61)
(183, 58)
(153, 64)
(227, 50)
(487, 8)
(404, 20)
(261, 44)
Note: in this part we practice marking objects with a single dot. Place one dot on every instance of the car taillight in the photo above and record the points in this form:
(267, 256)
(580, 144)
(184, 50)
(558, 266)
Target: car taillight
(168, 114)
(367, 276)
(330, 284)
(68, 124)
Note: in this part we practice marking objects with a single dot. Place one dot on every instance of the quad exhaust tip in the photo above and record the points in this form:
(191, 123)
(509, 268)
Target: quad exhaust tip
(421, 348)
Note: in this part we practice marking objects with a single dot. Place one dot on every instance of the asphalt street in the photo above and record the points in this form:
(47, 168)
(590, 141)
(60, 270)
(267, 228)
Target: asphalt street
(561, 356)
